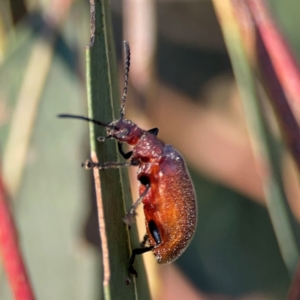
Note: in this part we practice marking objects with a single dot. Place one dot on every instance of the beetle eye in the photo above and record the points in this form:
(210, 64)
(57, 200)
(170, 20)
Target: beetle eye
(122, 133)
(154, 232)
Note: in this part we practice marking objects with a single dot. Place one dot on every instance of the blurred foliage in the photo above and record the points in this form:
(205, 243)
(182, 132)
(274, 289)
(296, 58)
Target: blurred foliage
(49, 211)
(234, 251)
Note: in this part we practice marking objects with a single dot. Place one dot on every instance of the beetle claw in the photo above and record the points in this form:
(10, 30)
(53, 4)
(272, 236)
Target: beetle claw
(101, 138)
(87, 165)
(129, 218)
(132, 271)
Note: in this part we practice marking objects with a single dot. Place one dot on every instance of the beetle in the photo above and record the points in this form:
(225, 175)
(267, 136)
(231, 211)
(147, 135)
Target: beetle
(165, 186)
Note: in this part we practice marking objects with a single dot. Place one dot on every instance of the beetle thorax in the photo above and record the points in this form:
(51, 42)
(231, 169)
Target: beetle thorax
(149, 147)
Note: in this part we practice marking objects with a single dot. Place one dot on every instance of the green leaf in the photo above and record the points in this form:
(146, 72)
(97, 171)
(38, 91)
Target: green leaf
(104, 104)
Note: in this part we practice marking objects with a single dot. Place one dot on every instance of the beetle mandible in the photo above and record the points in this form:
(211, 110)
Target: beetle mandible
(165, 188)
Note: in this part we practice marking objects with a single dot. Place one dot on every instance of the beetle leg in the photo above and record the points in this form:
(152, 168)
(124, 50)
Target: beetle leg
(107, 165)
(130, 215)
(135, 252)
(125, 155)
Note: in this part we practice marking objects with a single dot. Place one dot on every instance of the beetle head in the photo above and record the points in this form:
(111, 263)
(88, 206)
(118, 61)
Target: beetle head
(124, 130)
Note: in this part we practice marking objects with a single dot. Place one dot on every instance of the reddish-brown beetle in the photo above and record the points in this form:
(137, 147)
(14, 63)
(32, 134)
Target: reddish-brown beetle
(166, 189)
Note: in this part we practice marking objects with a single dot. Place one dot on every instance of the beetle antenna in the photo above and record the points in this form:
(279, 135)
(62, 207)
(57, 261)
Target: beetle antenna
(127, 66)
(83, 118)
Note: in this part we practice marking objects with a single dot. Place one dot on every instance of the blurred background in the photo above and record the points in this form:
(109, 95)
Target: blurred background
(181, 81)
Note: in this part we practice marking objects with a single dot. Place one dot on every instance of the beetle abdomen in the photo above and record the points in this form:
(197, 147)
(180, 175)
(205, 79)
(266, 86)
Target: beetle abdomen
(171, 204)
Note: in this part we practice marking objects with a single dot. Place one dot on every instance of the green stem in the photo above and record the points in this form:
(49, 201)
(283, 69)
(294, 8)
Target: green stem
(103, 105)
